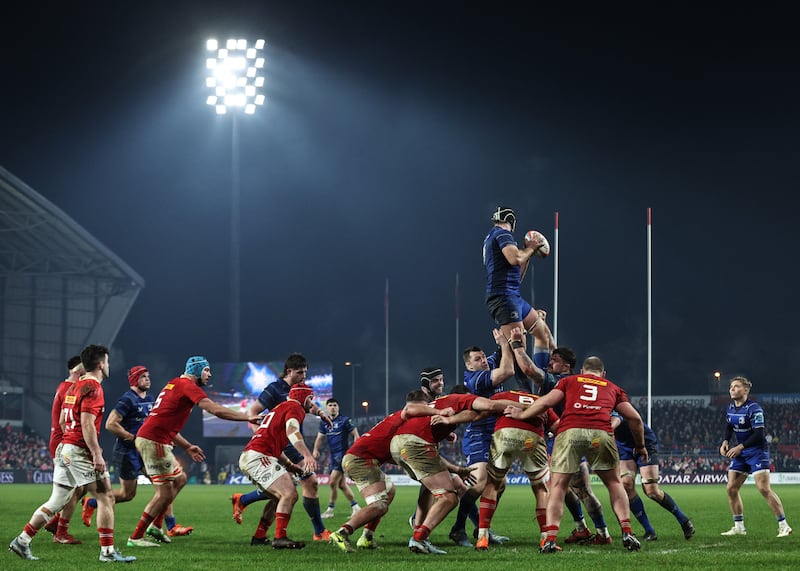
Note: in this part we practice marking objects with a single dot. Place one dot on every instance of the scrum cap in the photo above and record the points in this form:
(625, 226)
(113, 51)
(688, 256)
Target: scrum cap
(195, 365)
(503, 214)
(301, 392)
(135, 373)
(428, 374)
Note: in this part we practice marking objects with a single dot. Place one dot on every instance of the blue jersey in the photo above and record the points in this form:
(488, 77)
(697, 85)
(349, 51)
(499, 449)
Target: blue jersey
(133, 409)
(274, 394)
(624, 436)
(480, 383)
(744, 420)
(337, 434)
(501, 277)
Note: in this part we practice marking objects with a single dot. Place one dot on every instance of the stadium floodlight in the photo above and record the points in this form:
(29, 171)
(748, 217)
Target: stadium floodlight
(235, 79)
(235, 75)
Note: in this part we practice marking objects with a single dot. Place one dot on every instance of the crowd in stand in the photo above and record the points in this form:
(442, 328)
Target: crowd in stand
(23, 450)
(689, 439)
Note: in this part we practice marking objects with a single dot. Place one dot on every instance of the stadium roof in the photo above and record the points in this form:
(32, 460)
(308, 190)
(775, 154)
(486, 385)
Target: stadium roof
(60, 289)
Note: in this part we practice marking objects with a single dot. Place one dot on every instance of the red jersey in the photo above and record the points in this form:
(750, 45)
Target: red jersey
(375, 443)
(171, 410)
(421, 425)
(85, 395)
(588, 402)
(56, 434)
(270, 439)
(534, 424)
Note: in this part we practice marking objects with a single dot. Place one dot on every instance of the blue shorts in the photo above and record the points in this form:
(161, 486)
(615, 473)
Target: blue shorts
(627, 453)
(751, 460)
(506, 309)
(336, 463)
(475, 445)
(127, 462)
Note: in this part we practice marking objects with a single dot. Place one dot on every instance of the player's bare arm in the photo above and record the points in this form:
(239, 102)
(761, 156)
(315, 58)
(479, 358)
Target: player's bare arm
(549, 400)
(505, 368)
(317, 443)
(296, 439)
(114, 427)
(90, 437)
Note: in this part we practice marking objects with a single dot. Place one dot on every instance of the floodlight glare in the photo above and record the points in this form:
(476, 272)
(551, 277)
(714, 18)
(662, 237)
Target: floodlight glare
(234, 75)
(250, 109)
(211, 100)
(221, 110)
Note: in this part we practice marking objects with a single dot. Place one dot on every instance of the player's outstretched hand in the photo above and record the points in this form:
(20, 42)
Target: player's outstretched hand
(512, 412)
(323, 417)
(309, 464)
(196, 453)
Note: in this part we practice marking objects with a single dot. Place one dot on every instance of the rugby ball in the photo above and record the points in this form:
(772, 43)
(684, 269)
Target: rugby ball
(533, 236)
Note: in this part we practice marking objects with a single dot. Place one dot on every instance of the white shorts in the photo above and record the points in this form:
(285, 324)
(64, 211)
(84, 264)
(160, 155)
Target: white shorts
(74, 467)
(262, 470)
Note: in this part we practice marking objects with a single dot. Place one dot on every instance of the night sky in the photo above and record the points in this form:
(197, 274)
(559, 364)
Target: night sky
(391, 132)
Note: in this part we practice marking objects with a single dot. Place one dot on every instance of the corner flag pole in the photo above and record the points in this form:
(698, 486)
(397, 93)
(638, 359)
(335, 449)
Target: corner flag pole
(649, 315)
(386, 323)
(555, 283)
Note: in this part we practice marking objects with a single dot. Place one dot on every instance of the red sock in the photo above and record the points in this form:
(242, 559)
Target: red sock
(141, 527)
(281, 523)
(625, 524)
(159, 521)
(486, 512)
(421, 533)
(106, 536)
(63, 527)
(30, 530)
(261, 530)
(551, 531)
(541, 518)
(373, 525)
(348, 529)
(53, 523)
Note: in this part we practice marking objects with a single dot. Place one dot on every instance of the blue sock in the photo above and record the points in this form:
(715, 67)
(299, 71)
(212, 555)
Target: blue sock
(92, 503)
(331, 505)
(311, 505)
(354, 503)
(169, 521)
(464, 506)
(637, 509)
(473, 515)
(254, 496)
(669, 504)
(574, 506)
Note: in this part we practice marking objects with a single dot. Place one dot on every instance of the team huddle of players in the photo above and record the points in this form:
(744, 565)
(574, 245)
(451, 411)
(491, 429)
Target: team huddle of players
(510, 403)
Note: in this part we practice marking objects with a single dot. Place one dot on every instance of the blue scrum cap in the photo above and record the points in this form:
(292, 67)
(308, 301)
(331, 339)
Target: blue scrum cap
(195, 365)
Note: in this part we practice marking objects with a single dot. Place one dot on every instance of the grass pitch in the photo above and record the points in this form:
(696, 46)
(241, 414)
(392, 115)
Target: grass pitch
(219, 543)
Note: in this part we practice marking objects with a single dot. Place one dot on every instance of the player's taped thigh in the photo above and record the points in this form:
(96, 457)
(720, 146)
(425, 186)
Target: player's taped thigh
(57, 500)
(380, 499)
(539, 477)
(630, 475)
(649, 481)
(442, 492)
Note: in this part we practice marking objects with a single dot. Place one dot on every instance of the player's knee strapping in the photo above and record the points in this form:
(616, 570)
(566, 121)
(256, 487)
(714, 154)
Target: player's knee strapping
(440, 493)
(57, 500)
(540, 477)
